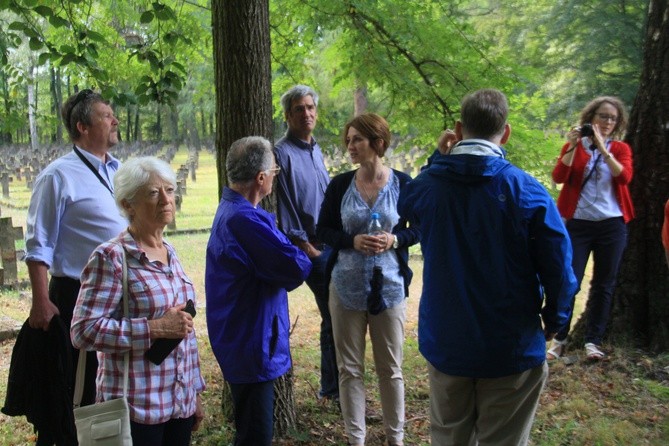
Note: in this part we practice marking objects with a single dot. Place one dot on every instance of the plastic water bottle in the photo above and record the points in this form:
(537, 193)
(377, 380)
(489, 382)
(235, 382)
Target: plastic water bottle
(375, 227)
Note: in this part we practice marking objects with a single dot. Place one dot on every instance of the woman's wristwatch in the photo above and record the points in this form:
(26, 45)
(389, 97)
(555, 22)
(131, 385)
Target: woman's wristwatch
(396, 242)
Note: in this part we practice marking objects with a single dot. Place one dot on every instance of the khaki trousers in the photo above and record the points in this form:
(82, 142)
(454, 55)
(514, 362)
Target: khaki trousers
(498, 411)
(386, 331)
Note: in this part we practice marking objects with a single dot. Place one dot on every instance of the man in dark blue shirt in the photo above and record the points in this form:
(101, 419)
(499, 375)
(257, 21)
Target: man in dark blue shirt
(300, 190)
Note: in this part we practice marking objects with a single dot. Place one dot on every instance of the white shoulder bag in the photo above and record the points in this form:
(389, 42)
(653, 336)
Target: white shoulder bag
(106, 423)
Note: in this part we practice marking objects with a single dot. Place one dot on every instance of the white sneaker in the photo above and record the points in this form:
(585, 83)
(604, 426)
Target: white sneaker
(556, 349)
(593, 352)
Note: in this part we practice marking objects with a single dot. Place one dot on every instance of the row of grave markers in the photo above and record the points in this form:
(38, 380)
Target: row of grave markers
(23, 165)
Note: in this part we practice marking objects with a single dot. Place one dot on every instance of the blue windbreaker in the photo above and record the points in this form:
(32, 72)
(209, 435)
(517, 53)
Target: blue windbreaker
(250, 265)
(494, 245)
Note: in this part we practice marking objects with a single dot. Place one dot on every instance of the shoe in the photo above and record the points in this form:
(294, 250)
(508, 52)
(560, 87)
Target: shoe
(593, 352)
(556, 349)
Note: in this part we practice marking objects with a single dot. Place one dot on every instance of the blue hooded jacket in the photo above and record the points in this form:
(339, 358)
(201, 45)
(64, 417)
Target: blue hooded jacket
(250, 265)
(494, 244)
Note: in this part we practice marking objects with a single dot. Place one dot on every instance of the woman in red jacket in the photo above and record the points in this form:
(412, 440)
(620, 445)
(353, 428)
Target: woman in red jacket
(595, 171)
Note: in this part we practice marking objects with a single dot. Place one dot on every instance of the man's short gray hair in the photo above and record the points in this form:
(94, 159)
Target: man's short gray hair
(297, 92)
(248, 156)
(136, 173)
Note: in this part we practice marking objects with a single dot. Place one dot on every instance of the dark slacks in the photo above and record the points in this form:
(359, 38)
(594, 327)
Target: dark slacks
(254, 413)
(63, 292)
(317, 282)
(606, 240)
(175, 432)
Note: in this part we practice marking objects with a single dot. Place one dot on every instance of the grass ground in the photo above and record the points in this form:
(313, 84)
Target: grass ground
(621, 401)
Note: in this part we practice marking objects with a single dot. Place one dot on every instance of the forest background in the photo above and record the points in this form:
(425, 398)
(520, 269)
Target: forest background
(410, 61)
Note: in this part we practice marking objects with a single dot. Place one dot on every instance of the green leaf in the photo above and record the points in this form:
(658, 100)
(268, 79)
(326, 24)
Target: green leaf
(171, 38)
(96, 36)
(58, 22)
(17, 26)
(4, 4)
(30, 3)
(141, 89)
(68, 58)
(163, 12)
(35, 43)
(67, 49)
(180, 67)
(146, 17)
(44, 11)
(43, 58)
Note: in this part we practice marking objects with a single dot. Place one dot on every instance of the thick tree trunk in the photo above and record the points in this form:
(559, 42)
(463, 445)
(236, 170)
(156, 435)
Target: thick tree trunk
(641, 312)
(242, 71)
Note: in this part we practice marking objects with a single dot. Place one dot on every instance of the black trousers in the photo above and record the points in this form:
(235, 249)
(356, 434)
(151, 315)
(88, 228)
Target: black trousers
(63, 292)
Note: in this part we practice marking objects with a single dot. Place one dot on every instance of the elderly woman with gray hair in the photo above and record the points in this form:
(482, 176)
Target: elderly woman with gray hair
(164, 398)
(250, 267)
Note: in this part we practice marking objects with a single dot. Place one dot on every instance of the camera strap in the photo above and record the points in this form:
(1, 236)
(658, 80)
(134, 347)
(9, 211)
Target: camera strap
(594, 166)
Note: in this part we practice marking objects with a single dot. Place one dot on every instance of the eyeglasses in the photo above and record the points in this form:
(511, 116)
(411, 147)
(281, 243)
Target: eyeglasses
(80, 97)
(604, 117)
(274, 170)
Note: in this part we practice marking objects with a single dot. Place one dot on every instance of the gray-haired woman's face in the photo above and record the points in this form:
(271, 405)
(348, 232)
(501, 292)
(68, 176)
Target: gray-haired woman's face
(153, 206)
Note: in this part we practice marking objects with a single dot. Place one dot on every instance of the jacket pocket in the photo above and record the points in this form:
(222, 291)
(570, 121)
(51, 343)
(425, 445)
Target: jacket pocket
(273, 341)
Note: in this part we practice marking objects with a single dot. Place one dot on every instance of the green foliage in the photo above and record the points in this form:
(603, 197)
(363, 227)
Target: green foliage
(412, 60)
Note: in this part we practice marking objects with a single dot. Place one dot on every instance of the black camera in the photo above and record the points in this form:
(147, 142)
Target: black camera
(587, 131)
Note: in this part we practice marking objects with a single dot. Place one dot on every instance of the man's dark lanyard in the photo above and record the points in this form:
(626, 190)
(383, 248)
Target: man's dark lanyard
(93, 169)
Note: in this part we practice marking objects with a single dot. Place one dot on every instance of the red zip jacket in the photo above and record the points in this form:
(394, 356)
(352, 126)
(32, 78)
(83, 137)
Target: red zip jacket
(571, 177)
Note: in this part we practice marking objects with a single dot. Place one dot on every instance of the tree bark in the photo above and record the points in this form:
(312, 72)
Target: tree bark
(641, 311)
(242, 73)
(32, 110)
(243, 81)
(360, 100)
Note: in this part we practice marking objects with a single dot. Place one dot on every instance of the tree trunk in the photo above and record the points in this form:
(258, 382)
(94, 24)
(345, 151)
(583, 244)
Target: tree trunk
(138, 129)
(359, 100)
(242, 72)
(32, 111)
(158, 135)
(56, 102)
(243, 81)
(641, 312)
(6, 134)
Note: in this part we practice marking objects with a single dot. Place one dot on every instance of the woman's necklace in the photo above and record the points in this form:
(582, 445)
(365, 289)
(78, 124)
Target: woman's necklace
(371, 197)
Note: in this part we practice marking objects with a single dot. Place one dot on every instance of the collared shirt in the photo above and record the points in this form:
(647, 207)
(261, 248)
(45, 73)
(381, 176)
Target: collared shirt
(156, 393)
(250, 266)
(479, 147)
(300, 186)
(598, 198)
(71, 212)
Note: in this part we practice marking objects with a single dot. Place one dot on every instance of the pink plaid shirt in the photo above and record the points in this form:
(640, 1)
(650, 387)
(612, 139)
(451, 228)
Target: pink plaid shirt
(156, 393)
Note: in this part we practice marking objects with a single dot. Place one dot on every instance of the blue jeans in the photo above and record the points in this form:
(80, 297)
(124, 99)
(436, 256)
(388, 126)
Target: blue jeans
(606, 240)
(254, 412)
(175, 432)
(318, 285)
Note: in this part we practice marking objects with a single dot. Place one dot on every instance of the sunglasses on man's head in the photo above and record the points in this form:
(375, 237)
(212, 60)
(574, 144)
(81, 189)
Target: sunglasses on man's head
(80, 97)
